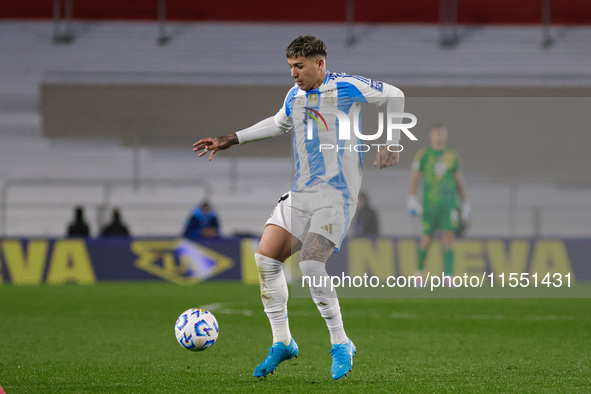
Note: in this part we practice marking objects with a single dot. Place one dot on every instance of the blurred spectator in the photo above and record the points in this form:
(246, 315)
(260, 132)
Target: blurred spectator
(203, 223)
(116, 228)
(78, 227)
(366, 222)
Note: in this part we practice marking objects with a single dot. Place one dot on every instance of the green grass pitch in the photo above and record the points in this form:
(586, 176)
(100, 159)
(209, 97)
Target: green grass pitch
(119, 337)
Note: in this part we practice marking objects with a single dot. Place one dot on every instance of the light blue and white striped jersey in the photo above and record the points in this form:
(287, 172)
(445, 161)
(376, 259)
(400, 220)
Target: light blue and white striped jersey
(339, 167)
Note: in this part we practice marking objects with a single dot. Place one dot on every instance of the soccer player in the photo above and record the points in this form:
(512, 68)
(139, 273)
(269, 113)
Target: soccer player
(443, 183)
(315, 214)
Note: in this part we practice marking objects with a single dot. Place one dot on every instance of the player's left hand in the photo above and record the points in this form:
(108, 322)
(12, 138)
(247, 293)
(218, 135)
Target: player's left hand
(385, 158)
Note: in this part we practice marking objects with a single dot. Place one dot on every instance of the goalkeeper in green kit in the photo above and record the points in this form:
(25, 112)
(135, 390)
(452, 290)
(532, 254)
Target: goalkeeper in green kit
(445, 203)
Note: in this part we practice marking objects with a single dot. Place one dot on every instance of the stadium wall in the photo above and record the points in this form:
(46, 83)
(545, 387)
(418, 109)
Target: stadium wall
(368, 11)
(501, 133)
(86, 261)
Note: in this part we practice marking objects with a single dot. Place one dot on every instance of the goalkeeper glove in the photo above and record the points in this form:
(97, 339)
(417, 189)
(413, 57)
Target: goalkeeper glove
(413, 205)
(466, 210)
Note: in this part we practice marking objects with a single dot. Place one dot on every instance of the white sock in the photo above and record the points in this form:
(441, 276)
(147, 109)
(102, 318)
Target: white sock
(325, 299)
(274, 295)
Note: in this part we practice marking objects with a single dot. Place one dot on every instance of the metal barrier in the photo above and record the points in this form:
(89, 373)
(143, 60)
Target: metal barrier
(63, 32)
(163, 36)
(448, 23)
(449, 37)
(350, 22)
(546, 24)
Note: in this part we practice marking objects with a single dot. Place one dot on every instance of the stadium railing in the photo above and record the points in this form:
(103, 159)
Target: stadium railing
(63, 32)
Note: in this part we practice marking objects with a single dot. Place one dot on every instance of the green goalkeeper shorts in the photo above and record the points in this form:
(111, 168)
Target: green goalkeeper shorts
(441, 217)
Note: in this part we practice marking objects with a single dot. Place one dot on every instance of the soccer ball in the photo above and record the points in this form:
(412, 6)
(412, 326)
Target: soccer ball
(196, 329)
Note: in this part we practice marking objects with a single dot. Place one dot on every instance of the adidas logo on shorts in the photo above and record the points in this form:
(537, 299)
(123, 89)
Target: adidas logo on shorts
(327, 228)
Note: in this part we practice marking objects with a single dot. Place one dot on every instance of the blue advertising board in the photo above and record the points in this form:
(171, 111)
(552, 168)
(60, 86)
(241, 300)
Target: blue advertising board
(85, 261)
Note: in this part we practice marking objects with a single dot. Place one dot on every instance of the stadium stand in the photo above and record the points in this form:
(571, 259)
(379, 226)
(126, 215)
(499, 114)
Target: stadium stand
(239, 55)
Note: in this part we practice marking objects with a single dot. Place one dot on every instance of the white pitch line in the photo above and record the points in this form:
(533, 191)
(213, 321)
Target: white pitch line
(220, 308)
(489, 317)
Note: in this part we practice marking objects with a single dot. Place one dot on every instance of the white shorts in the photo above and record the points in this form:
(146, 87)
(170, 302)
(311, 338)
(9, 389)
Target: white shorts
(322, 210)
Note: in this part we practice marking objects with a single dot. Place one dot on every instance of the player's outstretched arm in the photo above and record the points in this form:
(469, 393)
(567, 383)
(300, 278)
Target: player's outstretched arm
(266, 128)
(385, 158)
(465, 208)
(214, 144)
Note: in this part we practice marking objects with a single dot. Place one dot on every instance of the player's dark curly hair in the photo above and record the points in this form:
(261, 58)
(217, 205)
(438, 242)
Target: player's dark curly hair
(306, 46)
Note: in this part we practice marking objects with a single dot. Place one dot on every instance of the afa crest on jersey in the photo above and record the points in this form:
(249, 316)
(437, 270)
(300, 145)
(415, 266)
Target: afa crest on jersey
(377, 85)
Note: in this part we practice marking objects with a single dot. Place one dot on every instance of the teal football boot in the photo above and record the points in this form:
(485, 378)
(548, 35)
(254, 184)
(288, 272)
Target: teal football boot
(277, 354)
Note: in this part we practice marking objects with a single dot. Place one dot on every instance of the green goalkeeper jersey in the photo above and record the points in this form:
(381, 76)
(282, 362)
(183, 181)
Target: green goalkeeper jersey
(438, 168)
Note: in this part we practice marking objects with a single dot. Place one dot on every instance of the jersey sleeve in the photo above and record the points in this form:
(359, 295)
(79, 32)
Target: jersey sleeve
(380, 93)
(283, 116)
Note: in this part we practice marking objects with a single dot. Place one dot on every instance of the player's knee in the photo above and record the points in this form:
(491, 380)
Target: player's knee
(267, 264)
(272, 253)
(447, 238)
(426, 241)
(270, 250)
(275, 244)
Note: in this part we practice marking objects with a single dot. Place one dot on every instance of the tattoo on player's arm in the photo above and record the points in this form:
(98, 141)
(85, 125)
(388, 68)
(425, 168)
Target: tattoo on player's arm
(316, 247)
(231, 139)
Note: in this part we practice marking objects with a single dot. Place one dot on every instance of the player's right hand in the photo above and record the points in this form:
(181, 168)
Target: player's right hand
(466, 211)
(413, 205)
